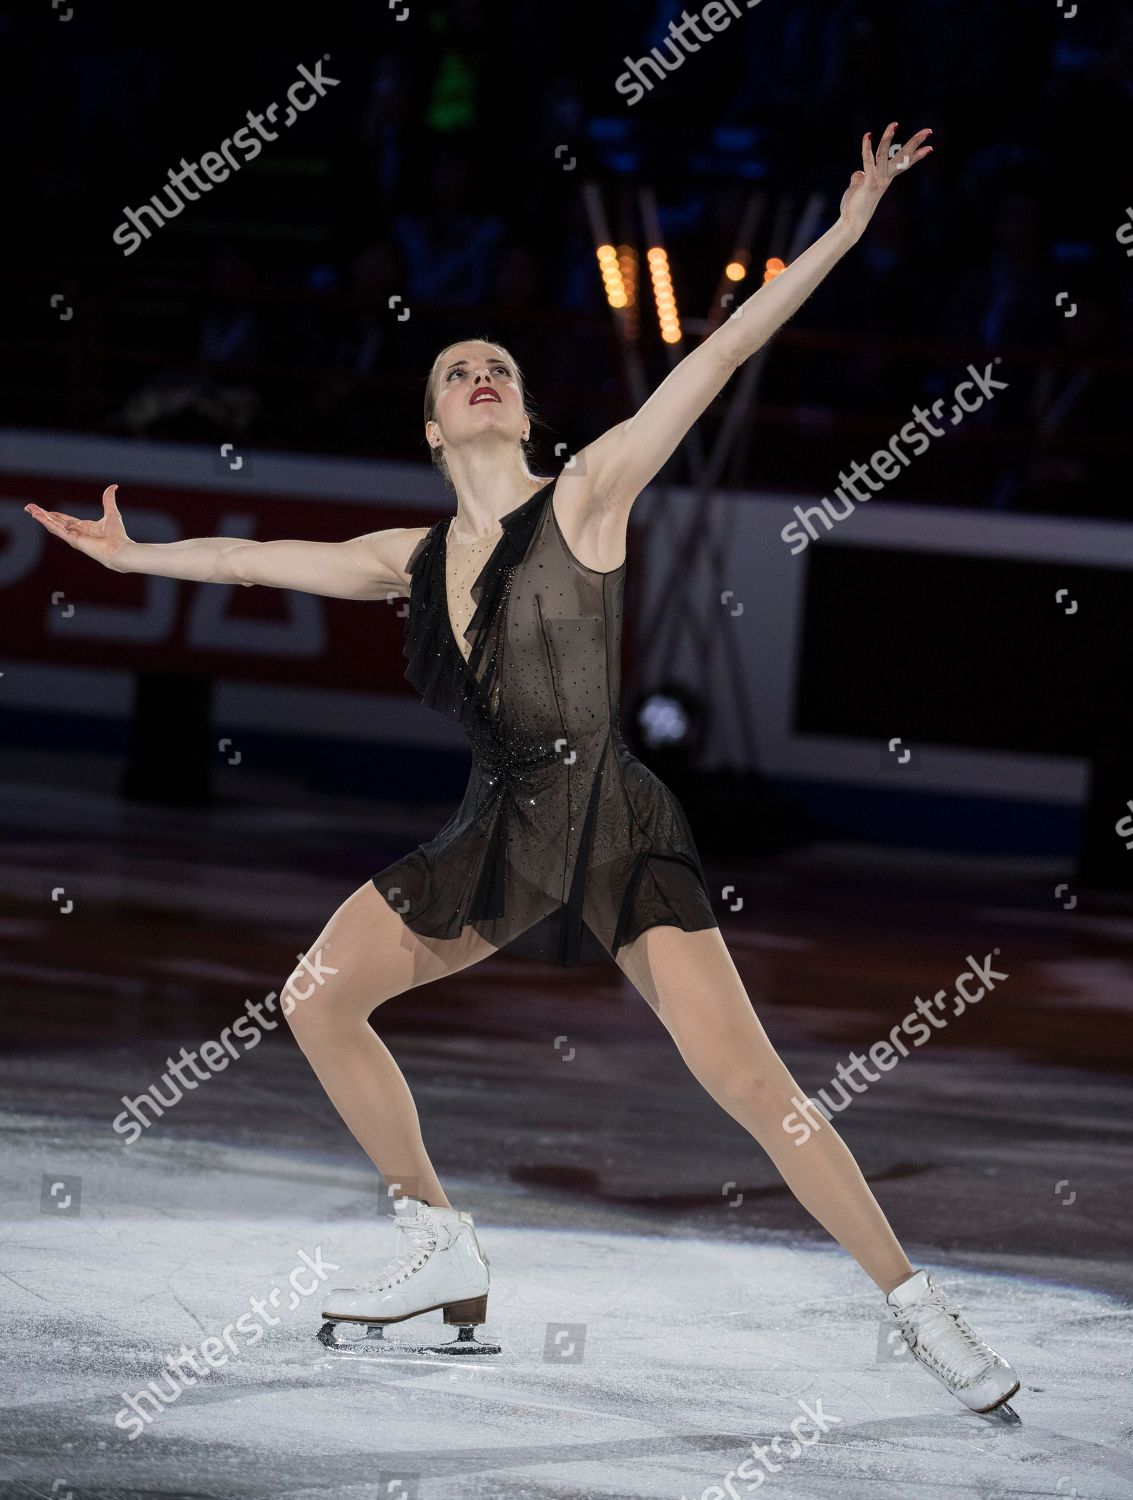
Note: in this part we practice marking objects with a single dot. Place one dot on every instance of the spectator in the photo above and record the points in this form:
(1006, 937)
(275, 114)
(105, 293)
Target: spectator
(231, 332)
(1073, 470)
(362, 345)
(385, 127)
(449, 248)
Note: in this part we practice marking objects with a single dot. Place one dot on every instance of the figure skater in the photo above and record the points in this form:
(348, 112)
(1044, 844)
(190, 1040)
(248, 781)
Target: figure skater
(513, 628)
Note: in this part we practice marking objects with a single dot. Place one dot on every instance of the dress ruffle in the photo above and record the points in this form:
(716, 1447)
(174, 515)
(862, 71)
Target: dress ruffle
(437, 669)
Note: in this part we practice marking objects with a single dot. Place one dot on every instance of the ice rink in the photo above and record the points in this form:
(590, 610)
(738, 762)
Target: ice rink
(641, 1364)
(662, 1301)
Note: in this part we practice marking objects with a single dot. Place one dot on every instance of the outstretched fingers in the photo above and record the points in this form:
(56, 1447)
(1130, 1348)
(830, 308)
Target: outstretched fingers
(885, 142)
(60, 525)
(911, 152)
(879, 166)
(872, 160)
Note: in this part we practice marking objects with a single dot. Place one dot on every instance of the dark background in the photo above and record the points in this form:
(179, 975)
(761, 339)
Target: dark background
(430, 173)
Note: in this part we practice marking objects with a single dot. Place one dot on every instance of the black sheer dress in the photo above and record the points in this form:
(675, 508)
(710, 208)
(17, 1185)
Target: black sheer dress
(564, 846)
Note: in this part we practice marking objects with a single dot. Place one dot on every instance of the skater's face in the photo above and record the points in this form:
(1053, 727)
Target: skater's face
(476, 390)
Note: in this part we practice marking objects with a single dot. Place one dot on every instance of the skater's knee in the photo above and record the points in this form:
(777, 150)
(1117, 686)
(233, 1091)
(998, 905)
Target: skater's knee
(752, 1091)
(319, 998)
(314, 996)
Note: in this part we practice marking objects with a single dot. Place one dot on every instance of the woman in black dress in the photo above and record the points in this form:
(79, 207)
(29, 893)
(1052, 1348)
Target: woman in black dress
(513, 628)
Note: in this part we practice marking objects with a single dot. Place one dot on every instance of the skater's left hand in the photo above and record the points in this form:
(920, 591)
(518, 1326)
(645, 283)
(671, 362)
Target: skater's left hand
(878, 171)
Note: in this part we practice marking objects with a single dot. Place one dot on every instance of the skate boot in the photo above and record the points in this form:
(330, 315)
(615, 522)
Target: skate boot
(945, 1345)
(439, 1265)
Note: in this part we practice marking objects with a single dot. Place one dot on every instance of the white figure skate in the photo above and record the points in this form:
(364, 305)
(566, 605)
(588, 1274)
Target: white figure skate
(945, 1345)
(439, 1264)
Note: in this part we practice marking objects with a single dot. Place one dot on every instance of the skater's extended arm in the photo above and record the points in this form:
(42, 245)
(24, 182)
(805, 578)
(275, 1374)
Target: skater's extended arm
(618, 465)
(364, 567)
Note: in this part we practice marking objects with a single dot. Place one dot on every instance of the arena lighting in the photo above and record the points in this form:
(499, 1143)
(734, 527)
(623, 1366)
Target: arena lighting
(667, 316)
(772, 268)
(612, 279)
(627, 265)
(667, 723)
(631, 278)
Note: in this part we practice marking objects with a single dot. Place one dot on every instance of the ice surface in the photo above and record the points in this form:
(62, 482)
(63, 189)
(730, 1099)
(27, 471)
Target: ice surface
(675, 1355)
(1003, 1156)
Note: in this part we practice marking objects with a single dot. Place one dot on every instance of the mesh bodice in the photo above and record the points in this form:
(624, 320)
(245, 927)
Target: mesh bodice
(560, 827)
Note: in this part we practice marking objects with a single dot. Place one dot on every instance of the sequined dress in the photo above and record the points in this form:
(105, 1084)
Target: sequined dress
(564, 846)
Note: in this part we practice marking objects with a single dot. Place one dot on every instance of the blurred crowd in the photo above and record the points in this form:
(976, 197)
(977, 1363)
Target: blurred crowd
(437, 193)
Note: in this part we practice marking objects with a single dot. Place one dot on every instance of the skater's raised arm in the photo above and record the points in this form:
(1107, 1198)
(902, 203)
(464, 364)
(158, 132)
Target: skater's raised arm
(618, 465)
(364, 567)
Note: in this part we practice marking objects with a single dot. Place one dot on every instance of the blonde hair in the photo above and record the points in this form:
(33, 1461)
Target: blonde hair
(437, 454)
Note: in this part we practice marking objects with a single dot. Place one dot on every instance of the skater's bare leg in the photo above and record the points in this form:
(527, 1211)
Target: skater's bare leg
(376, 957)
(691, 982)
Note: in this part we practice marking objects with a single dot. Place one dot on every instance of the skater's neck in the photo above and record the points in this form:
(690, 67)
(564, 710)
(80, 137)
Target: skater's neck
(488, 486)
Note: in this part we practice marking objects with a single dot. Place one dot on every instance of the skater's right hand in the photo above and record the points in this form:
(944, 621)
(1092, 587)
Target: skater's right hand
(105, 540)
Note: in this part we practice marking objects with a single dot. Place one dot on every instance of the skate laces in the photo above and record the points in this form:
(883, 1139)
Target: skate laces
(418, 1243)
(939, 1335)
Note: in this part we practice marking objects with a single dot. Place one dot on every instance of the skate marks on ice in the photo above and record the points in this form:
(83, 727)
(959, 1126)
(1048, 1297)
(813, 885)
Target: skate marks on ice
(631, 1365)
